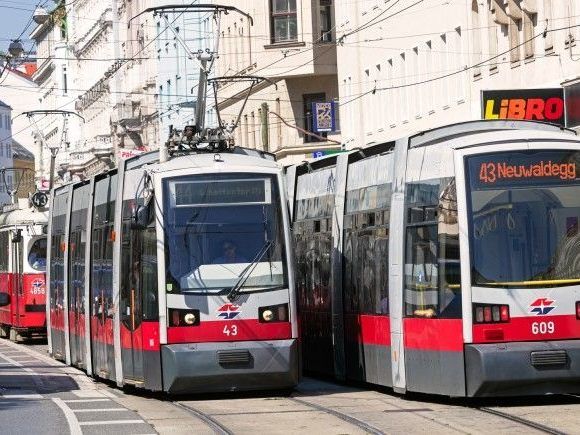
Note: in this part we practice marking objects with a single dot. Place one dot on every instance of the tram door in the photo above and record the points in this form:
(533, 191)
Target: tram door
(432, 324)
(76, 282)
(101, 291)
(17, 285)
(131, 306)
(58, 247)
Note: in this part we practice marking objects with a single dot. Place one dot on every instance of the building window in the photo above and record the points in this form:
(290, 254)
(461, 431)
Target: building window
(477, 52)
(325, 20)
(309, 116)
(283, 21)
(548, 40)
(64, 81)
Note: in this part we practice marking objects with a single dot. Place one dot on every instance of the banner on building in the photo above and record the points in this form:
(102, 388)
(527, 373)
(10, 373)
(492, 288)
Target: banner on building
(324, 117)
(529, 104)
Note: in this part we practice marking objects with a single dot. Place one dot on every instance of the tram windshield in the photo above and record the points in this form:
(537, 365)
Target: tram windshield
(224, 231)
(524, 213)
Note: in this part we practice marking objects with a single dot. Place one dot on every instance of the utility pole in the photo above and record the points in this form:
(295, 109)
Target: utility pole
(265, 126)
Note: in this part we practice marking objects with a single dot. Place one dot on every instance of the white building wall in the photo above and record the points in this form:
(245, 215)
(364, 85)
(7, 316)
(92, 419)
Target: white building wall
(429, 61)
(300, 68)
(20, 93)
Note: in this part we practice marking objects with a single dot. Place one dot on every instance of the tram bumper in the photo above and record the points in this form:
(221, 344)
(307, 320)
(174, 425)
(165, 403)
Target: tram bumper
(230, 366)
(523, 368)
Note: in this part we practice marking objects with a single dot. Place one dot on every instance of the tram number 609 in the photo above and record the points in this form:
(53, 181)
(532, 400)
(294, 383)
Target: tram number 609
(543, 328)
(230, 330)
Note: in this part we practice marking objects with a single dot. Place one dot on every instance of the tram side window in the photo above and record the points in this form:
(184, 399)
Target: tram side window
(139, 260)
(366, 246)
(57, 271)
(432, 269)
(37, 255)
(149, 274)
(4, 244)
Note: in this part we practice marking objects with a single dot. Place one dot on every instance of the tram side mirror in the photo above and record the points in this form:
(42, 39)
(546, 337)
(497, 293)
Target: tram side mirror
(141, 217)
(4, 299)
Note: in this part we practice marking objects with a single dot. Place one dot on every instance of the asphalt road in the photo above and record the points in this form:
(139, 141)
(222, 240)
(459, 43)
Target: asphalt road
(41, 396)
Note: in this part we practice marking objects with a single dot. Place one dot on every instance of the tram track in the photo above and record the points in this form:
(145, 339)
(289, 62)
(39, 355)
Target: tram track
(523, 421)
(221, 429)
(342, 416)
(211, 422)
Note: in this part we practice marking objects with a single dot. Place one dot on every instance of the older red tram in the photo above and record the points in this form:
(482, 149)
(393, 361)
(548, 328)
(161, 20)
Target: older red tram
(22, 271)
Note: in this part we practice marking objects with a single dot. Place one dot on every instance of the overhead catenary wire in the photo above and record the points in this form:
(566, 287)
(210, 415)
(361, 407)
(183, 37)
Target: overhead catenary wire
(354, 97)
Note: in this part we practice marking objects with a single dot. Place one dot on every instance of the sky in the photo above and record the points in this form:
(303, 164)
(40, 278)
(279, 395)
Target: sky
(14, 16)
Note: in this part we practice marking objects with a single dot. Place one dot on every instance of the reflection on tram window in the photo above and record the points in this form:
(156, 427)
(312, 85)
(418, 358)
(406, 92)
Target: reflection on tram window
(37, 255)
(432, 268)
(102, 249)
(210, 244)
(366, 247)
(524, 232)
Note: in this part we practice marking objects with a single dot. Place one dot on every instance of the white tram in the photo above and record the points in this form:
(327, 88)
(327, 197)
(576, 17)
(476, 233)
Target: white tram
(176, 276)
(447, 262)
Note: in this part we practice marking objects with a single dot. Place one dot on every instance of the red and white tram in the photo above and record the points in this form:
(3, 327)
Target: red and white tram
(22, 271)
(176, 276)
(447, 262)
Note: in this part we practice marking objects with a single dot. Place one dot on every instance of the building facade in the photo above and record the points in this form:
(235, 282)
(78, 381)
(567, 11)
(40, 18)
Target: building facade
(20, 92)
(178, 73)
(408, 66)
(23, 163)
(292, 44)
(134, 120)
(6, 161)
(53, 133)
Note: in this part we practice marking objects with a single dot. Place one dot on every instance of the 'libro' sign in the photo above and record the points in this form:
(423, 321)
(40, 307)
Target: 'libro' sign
(530, 104)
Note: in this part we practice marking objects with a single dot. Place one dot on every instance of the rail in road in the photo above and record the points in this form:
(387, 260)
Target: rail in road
(40, 395)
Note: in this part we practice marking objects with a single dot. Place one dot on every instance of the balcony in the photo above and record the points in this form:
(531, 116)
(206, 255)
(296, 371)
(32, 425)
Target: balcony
(128, 115)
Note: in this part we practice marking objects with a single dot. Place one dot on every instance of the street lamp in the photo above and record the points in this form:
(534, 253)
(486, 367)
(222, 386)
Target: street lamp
(16, 48)
(40, 16)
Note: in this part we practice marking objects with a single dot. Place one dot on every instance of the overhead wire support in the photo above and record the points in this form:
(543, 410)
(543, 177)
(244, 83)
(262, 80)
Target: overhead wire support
(253, 80)
(193, 137)
(64, 136)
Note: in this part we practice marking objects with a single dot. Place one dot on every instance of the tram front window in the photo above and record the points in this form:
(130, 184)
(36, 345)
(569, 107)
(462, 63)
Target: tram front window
(37, 255)
(223, 231)
(524, 218)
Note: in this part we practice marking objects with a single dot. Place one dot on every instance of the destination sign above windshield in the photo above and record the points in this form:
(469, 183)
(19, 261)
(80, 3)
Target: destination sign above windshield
(226, 192)
(523, 168)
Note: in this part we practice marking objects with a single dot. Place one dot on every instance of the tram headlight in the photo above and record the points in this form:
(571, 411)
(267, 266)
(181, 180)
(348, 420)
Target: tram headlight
(267, 315)
(181, 317)
(273, 313)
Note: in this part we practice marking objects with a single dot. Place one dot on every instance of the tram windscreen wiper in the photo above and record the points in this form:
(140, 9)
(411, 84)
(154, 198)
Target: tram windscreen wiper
(235, 290)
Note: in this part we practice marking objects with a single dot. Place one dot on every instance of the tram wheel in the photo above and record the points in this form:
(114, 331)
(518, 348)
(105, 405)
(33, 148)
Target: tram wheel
(3, 332)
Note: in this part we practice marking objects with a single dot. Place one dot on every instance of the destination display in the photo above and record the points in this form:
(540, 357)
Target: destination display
(195, 193)
(524, 168)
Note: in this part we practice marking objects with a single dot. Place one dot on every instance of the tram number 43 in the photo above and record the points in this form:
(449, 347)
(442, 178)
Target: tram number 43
(230, 330)
(543, 328)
